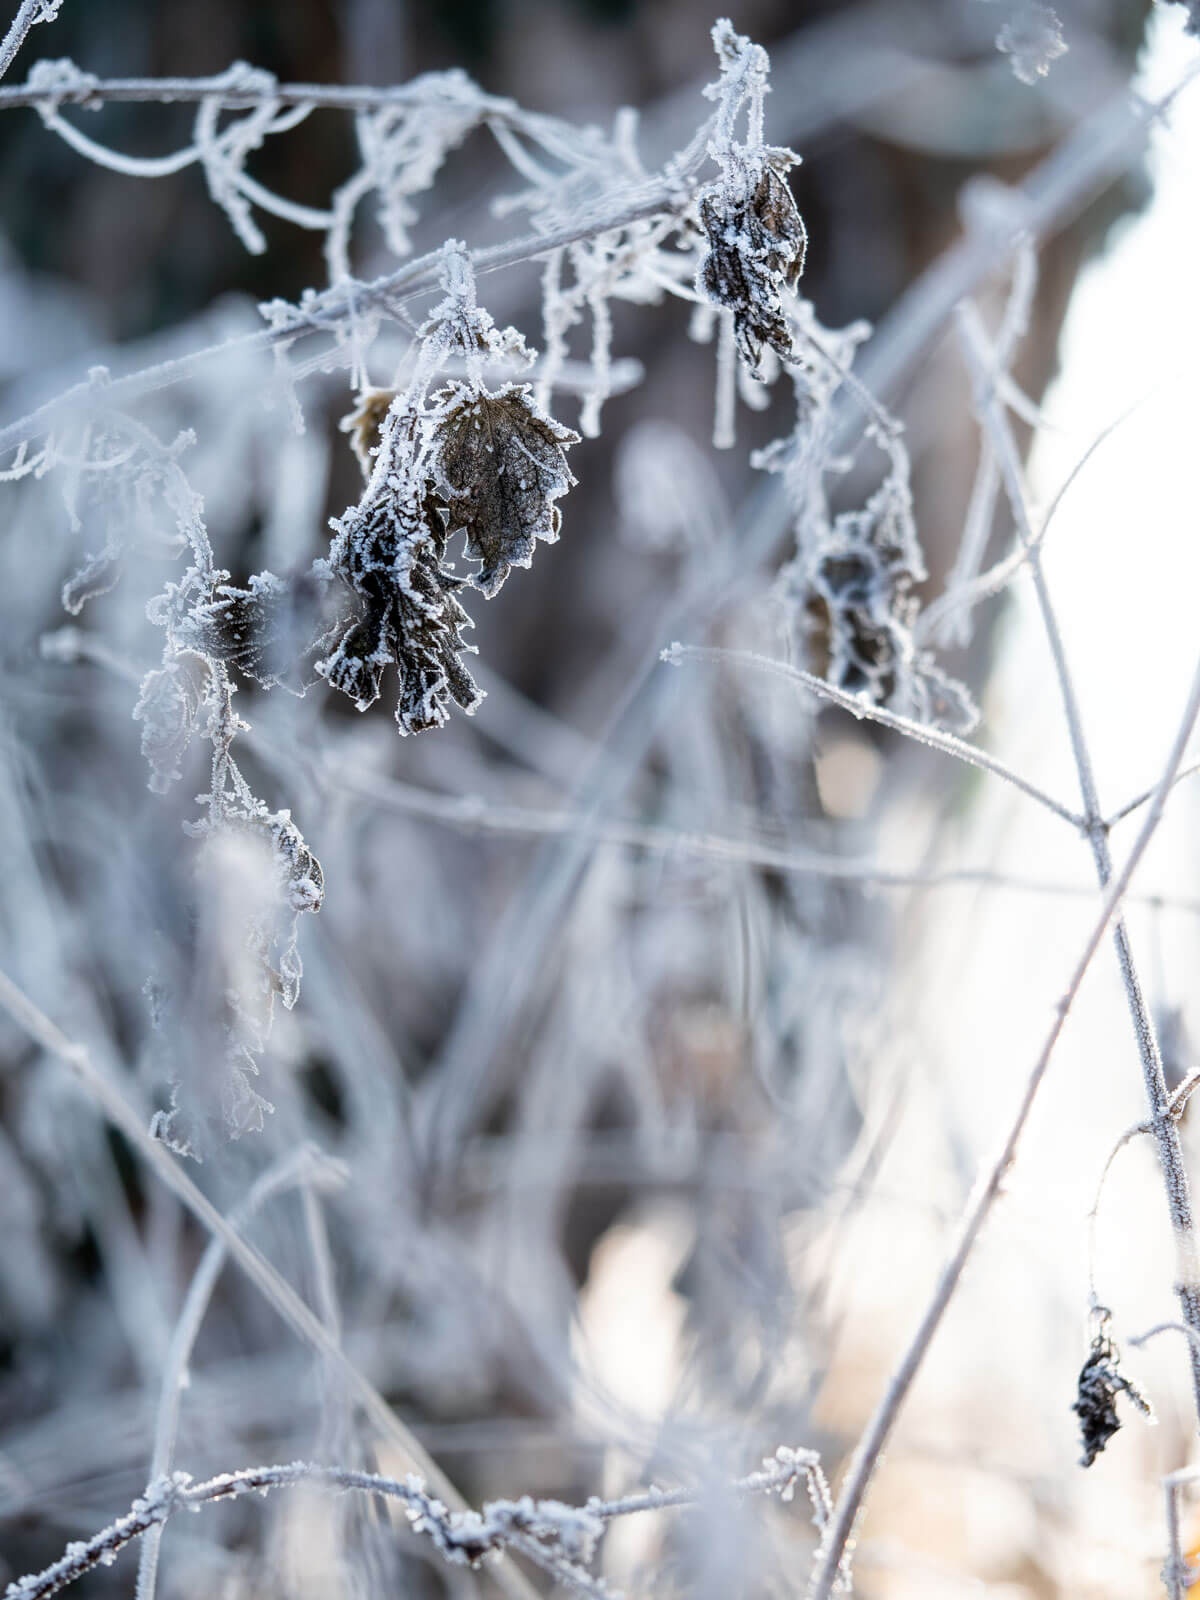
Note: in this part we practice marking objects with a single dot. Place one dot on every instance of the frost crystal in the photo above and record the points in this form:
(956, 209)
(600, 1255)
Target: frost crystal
(168, 709)
(1033, 37)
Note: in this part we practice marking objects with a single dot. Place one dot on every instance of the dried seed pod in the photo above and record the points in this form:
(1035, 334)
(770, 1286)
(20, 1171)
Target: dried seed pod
(502, 464)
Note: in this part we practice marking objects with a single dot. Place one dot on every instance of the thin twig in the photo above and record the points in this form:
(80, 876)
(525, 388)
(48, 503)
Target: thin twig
(866, 1457)
(297, 1166)
(556, 1536)
(1140, 800)
(194, 91)
(860, 707)
(997, 578)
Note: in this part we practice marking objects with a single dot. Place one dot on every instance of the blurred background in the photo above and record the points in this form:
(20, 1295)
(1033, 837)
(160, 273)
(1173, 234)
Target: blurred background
(638, 1153)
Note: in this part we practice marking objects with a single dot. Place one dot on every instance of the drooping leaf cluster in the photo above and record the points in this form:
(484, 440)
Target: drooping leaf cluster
(489, 464)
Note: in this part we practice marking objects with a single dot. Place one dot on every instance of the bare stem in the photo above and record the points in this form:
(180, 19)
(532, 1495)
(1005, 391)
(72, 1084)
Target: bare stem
(1163, 1124)
(866, 1457)
(860, 707)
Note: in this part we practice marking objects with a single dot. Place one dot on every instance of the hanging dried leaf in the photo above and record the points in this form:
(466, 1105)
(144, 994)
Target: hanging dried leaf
(389, 550)
(1100, 1381)
(502, 465)
(756, 246)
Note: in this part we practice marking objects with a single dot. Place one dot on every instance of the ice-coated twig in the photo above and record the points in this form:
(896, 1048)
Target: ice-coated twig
(1163, 1122)
(479, 814)
(31, 13)
(858, 706)
(560, 1538)
(271, 1284)
(850, 1500)
(326, 313)
(1164, 1327)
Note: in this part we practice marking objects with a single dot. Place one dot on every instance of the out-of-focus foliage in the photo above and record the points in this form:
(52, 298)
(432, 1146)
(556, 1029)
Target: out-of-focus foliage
(591, 1047)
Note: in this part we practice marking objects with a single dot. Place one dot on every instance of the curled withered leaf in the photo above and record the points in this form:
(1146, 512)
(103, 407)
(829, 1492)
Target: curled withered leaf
(1100, 1381)
(756, 246)
(502, 466)
(358, 654)
(388, 550)
(264, 629)
(300, 873)
(856, 589)
(430, 618)
(365, 425)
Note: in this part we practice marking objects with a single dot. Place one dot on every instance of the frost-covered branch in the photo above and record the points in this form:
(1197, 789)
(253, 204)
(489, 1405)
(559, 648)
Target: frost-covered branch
(863, 709)
(30, 13)
(560, 1538)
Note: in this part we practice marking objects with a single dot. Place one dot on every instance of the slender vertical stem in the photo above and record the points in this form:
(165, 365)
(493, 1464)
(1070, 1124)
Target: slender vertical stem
(839, 1534)
(1163, 1125)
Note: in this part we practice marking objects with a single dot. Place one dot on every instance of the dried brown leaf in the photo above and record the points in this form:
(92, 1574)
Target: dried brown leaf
(502, 465)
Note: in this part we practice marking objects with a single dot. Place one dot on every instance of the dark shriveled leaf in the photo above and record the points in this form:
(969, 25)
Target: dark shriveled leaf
(502, 465)
(388, 553)
(756, 245)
